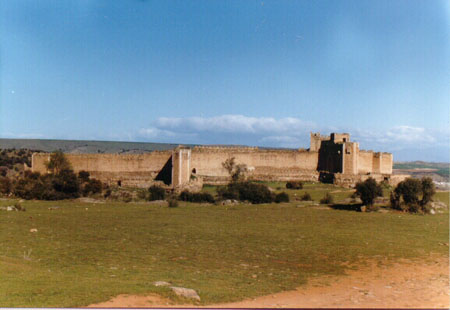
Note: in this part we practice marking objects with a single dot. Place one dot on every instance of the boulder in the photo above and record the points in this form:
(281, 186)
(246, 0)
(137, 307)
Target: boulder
(161, 283)
(185, 292)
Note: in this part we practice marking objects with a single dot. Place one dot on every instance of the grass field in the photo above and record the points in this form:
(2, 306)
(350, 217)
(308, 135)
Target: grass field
(86, 253)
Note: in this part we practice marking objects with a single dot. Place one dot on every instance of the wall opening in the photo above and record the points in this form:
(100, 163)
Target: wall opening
(194, 171)
(119, 183)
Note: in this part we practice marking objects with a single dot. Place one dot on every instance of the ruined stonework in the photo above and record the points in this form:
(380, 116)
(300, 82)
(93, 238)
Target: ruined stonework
(334, 158)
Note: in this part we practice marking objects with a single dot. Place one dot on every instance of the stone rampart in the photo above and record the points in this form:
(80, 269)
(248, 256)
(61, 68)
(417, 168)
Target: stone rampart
(261, 164)
(127, 170)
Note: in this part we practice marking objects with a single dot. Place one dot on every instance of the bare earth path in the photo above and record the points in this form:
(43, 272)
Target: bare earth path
(404, 284)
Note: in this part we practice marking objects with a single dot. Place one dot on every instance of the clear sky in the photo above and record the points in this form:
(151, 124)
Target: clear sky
(229, 72)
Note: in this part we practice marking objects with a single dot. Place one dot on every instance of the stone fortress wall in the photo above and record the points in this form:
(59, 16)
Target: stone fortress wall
(335, 155)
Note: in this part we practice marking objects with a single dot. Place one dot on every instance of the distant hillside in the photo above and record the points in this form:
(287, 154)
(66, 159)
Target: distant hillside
(422, 168)
(92, 147)
(80, 146)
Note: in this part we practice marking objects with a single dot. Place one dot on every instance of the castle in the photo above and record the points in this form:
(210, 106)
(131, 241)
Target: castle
(331, 158)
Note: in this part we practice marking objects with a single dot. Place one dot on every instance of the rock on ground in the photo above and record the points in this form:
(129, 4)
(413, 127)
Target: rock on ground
(185, 292)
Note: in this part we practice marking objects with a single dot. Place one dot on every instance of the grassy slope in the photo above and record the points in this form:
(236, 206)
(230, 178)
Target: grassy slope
(81, 256)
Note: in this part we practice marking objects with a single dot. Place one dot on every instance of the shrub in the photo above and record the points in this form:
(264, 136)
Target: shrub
(255, 193)
(306, 197)
(196, 197)
(3, 171)
(252, 192)
(157, 193)
(5, 185)
(294, 185)
(228, 192)
(327, 199)
(107, 193)
(185, 195)
(282, 197)
(368, 191)
(126, 197)
(67, 183)
(93, 186)
(173, 203)
(83, 176)
(142, 194)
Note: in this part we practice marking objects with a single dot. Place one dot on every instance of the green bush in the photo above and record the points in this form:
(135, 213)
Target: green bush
(83, 176)
(281, 197)
(294, 184)
(66, 182)
(247, 191)
(406, 196)
(157, 193)
(5, 185)
(92, 186)
(306, 197)
(196, 197)
(230, 191)
(368, 191)
(327, 199)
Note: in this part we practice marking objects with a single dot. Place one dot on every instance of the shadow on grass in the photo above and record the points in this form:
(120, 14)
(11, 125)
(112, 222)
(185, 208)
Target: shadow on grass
(347, 207)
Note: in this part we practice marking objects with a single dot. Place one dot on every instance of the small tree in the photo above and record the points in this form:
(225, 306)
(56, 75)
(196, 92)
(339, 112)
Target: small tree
(409, 190)
(368, 191)
(58, 162)
(234, 170)
(406, 196)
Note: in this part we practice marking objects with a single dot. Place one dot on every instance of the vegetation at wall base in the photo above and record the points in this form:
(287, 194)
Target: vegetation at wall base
(196, 197)
(156, 193)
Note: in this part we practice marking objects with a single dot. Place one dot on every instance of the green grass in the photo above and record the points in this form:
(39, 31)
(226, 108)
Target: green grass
(87, 253)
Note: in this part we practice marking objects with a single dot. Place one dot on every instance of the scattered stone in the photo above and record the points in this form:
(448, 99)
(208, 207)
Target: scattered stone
(33, 230)
(363, 208)
(12, 208)
(185, 292)
(438, 205)
(229, 202)
(161, 283)
(432, 212)
(54, 208)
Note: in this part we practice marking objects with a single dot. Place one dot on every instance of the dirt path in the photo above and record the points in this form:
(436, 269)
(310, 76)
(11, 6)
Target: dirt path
(405, 284)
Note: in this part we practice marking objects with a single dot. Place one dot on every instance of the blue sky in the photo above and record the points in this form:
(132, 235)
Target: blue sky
(229, 72)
